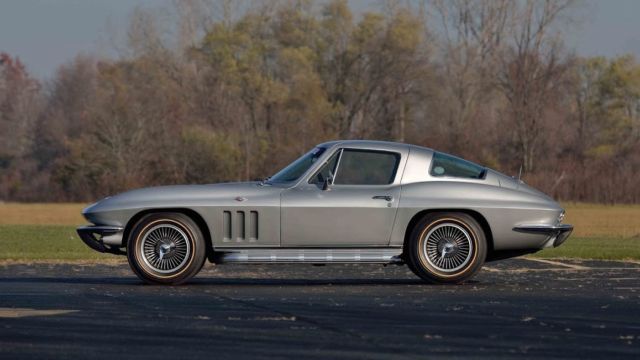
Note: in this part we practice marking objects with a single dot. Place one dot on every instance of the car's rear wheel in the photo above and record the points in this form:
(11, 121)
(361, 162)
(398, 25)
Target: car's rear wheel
(446, 248)
(166, 248)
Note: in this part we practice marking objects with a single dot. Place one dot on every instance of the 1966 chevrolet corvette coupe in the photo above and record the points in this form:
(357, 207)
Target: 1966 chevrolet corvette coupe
(342, 202)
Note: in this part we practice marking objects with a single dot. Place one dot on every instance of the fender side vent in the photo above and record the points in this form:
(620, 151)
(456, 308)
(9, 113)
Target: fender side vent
(240, 231)
(226, 226)
(253, 226)
(238, 226)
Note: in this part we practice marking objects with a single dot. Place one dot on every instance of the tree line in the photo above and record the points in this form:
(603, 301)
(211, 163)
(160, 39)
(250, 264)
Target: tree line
(209, 91)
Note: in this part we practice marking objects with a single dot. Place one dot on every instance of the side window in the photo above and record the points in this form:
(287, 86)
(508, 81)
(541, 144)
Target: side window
(323, 173)
(447, 165)
(366, 167)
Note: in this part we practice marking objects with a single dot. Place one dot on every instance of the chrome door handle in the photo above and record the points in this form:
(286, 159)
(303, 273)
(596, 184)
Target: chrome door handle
(383, 197)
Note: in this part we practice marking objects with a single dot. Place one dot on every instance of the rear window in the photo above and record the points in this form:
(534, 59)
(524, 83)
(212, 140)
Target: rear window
(448, 165)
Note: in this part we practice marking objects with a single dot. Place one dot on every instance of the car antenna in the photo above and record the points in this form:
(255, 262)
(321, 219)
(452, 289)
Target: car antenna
(520, 174)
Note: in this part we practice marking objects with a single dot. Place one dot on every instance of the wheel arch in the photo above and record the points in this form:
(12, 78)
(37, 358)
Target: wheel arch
(192, 214)
(474, 214)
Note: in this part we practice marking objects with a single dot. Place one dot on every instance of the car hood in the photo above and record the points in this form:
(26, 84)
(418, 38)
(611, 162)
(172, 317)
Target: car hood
(184, 195)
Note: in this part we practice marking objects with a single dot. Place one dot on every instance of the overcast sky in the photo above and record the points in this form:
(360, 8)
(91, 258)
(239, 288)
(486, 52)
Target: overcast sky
(47, 33)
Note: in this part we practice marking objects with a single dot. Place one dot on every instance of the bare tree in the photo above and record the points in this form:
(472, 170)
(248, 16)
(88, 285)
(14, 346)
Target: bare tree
(20, 106)
(531, 68)
(20, 102)
(471, 33)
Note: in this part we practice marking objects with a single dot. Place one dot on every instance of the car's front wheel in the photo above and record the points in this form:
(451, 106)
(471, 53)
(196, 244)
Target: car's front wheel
(446, 248)
(166, 248)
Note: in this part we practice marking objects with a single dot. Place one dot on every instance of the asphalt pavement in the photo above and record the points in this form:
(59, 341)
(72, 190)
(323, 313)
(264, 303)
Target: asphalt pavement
(513, 308)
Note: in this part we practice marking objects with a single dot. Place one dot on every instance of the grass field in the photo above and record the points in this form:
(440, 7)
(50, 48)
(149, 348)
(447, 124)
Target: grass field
(44, 242)
(600, 232)
(47, 232)
(44, 232)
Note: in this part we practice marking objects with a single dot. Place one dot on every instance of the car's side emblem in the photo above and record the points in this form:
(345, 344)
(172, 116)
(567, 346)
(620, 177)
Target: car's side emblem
(240, 198)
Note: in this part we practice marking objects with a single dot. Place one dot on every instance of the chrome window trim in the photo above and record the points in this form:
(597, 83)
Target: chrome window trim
(395, 171)
(312, 178)
(402, 149)
(335, 170)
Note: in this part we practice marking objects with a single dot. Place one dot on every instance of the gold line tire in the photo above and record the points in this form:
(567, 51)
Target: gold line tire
(166, 248)
(446, 248)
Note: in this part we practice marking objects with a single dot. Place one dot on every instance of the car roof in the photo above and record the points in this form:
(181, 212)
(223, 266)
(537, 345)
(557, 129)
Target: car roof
(389, 145)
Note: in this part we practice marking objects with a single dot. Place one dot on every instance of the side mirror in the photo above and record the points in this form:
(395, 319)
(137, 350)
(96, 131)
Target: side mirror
(326, 185)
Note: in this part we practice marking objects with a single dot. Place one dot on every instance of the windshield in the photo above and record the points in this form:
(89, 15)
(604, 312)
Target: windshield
(294, 170)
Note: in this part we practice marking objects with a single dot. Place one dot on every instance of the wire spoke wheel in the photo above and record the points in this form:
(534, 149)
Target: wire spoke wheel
(448, 247)
(165, 248)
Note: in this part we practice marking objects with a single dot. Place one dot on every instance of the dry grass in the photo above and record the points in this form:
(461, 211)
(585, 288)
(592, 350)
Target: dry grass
(604, 221)
(41, 214)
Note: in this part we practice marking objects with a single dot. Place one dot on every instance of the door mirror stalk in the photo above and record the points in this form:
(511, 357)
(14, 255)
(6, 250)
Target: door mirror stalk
(326, 184)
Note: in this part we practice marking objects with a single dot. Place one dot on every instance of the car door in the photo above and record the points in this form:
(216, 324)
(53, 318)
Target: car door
(358, 209)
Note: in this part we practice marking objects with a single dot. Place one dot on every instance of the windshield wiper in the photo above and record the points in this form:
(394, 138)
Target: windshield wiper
(265, 181)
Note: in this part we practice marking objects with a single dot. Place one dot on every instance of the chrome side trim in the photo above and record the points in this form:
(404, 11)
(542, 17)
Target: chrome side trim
(557, 234)
(313, 256)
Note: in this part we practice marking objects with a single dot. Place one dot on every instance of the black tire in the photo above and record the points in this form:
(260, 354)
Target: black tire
(446, 248)
(166, 248)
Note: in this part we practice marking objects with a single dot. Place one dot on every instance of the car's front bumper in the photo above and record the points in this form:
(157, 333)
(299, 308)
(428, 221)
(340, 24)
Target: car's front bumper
(102, 238)
(556, 234)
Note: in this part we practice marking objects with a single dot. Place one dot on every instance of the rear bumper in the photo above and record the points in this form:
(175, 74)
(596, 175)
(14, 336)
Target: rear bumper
(556, 234)
(102, 238)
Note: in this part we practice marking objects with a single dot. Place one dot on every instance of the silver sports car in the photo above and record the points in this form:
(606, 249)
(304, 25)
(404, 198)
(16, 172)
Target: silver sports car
(342, 202)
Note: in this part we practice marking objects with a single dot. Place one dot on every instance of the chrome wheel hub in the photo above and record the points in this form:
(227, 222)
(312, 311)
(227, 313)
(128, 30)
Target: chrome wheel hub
(165, 248)
(448, 247)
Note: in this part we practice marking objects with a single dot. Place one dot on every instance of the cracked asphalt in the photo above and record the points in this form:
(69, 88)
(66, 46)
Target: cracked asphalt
(514, 308)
